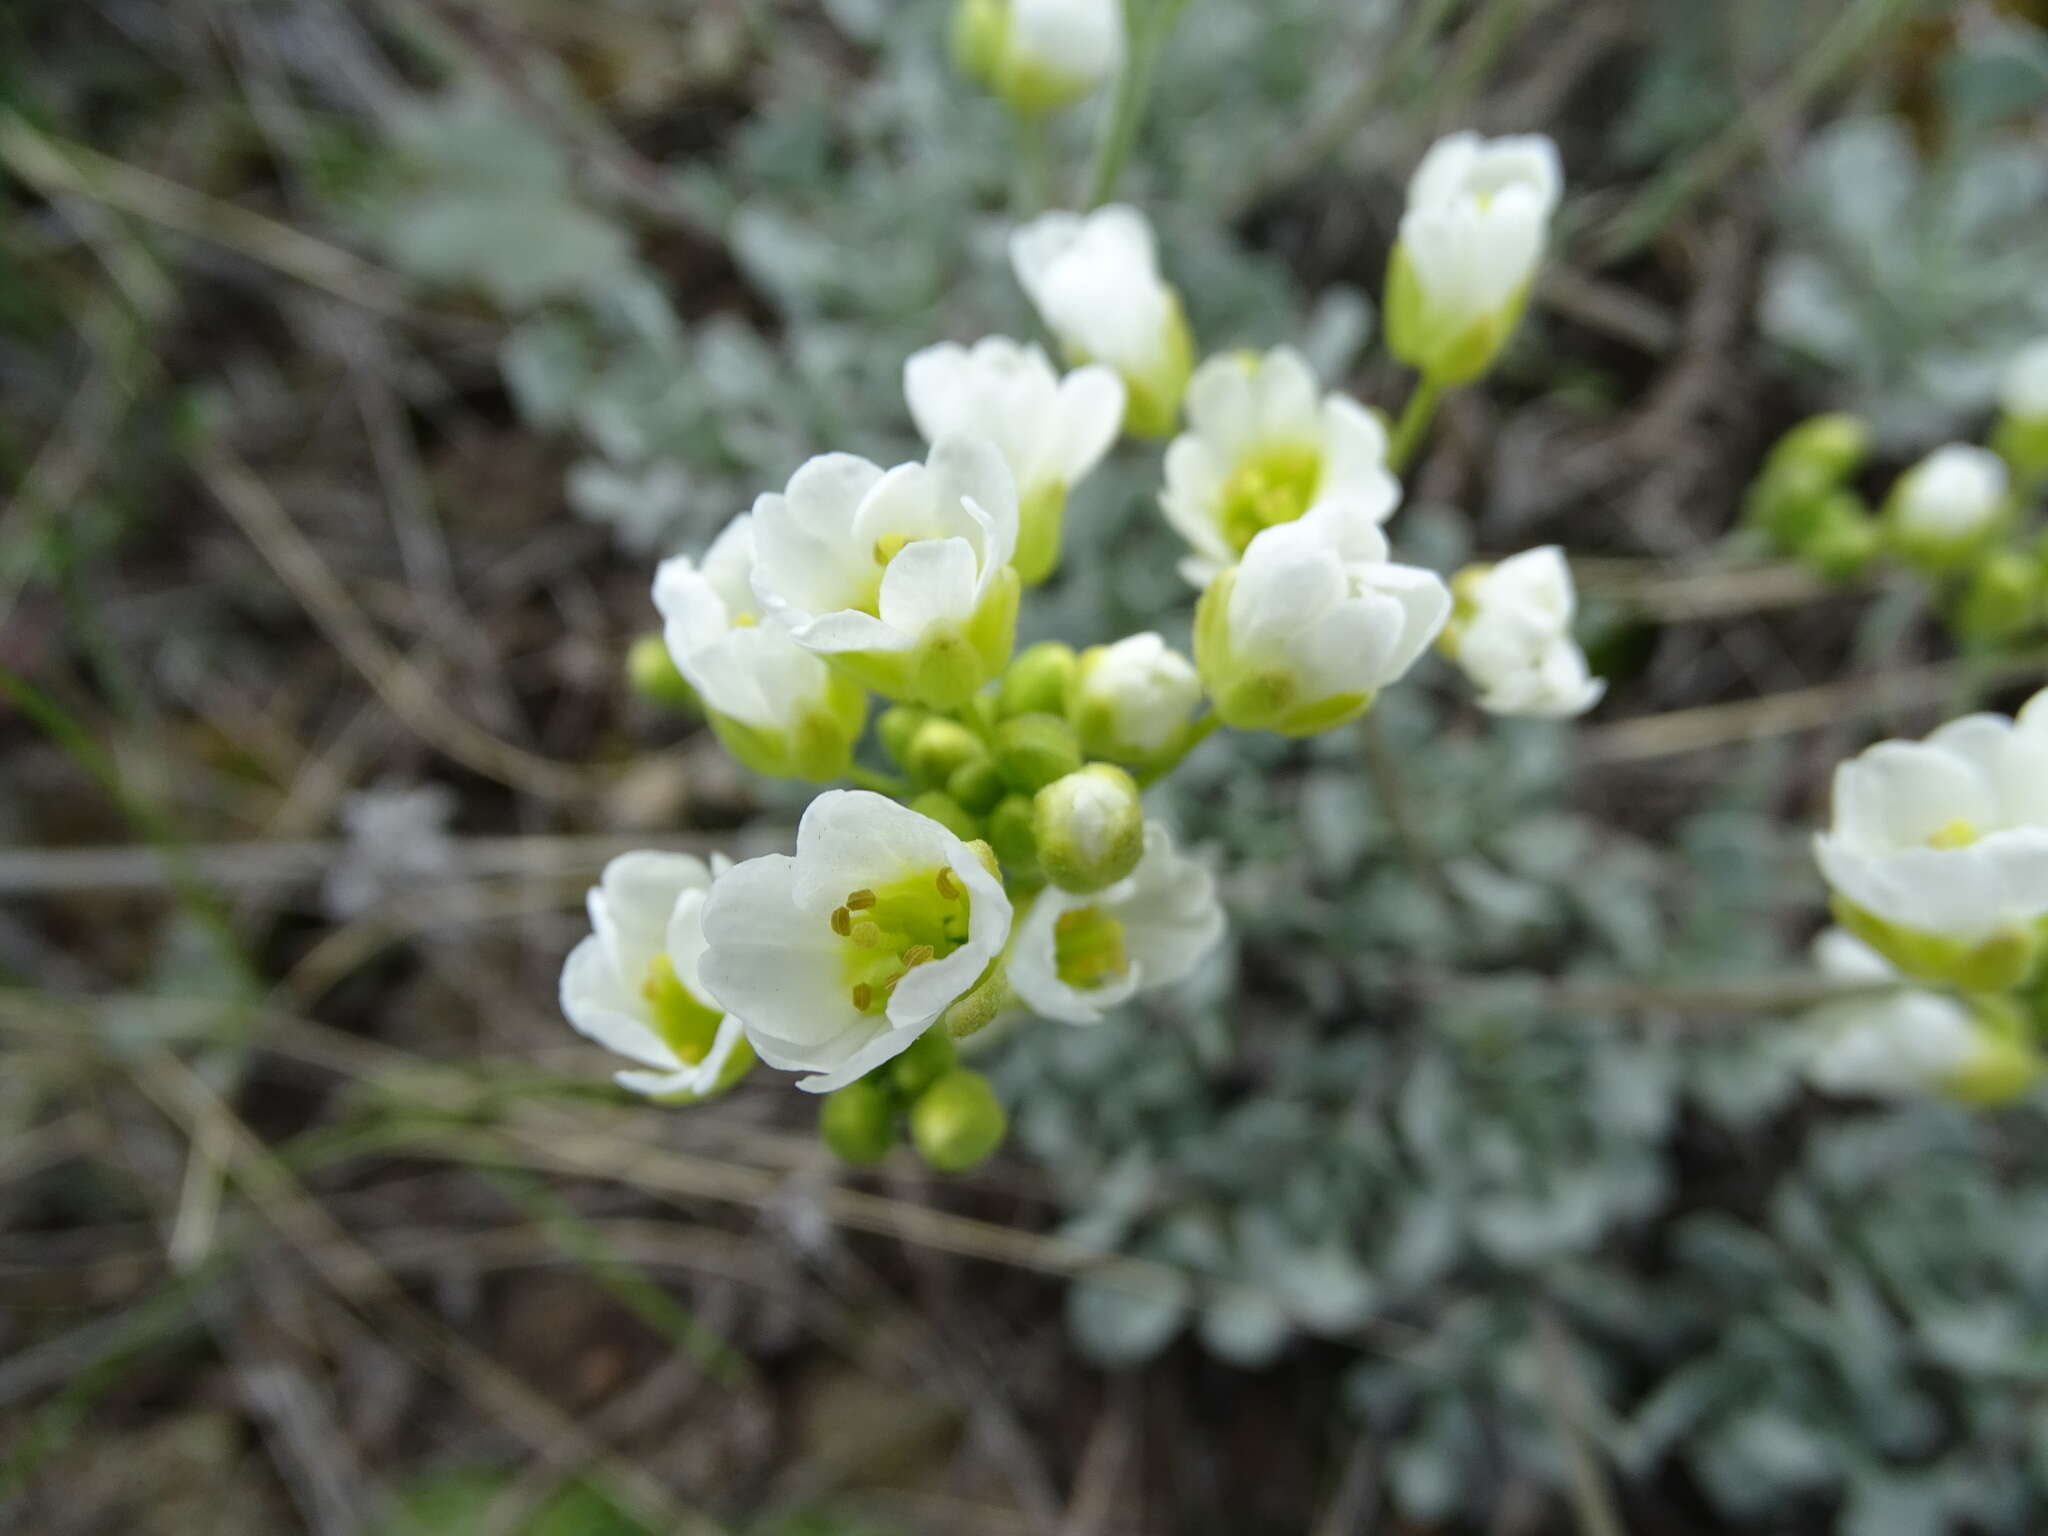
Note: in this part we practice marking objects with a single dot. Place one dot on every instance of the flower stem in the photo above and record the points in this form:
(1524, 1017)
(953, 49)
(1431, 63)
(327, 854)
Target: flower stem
(880, 783)
(1031, 192)
(1415, 419)
(1146, 25)
(1385, 773)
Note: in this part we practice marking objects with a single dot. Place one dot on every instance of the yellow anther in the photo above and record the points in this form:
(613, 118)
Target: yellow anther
(860, 901)
(1957, 834)
(866, 935)
(916, 955)
(746, 620)
(842, 921)
(863, 996)
(948, 886)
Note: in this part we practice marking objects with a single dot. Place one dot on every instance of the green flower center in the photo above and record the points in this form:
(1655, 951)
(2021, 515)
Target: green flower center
(890, 930)
(1275, 485)
(1959, 833)
(1088, 948)
(687, 1026)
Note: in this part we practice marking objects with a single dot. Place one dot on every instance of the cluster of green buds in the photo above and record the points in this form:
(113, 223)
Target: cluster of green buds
(954, 1117)
(1958, 518)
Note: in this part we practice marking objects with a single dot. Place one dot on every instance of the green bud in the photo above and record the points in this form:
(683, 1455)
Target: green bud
(1090, 828)
(1010, 834)
(651, 673)
(939, 747)
(1830, 448)
(897, 726)
(1034, 750)
(1039, 679)
(948, 813)
(2002, 601)
(1845, 538)
(2023, 443)
(980, 28)
(977, 785)
(858, 1122)
(958, 1121)
(930, 1057)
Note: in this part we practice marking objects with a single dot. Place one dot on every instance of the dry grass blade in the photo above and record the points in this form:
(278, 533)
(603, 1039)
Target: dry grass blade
(396, 680)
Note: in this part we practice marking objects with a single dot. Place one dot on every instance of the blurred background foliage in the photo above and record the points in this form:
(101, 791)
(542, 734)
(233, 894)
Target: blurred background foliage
(1433, 1205)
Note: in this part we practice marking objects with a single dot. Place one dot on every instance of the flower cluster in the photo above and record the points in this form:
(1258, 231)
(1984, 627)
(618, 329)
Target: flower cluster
(1957, 516)
(1002, 861)
(1938, 859)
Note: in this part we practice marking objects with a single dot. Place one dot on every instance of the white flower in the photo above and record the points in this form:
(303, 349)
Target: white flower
(1263, 447)
(633, 985)
(1944, 508)
(1512, 637)
(1301, 634)
(1938, 849)
(1472, 237)
(2024, 391)
(777, 707)
(1094, 279)
(1132, 699)
(1050, 431)
(1909, 1042)
(839, 958)
(1076, 957)
(1039, 55)
(902, 577)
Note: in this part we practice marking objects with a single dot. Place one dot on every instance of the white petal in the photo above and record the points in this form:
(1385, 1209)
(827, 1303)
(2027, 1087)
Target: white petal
(931, 582)
(601, 1009)
(1091, 414)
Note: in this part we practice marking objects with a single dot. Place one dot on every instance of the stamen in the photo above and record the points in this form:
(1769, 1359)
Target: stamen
(866, 935)
(860, 900)
(948, 886)
(863, 996)
(842, 921)
(916, 955)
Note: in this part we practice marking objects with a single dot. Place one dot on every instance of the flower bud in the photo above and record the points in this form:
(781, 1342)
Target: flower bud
(1038, 55)
(1946, 508)
(929, 1059)
(1830, 447)
(858, 1122)
(651, 672)
(1789, 500)
(897, 726)
(1845, 539)
(1039, 679)
(2021, 437)
(948, 813)
(1090, 828)
(1132, 700)
(939, 747)
(2002, 601)
(1034, 750)
(977, 785)
(1010, 834)
(978, 29)
(958, 1121)
(1470, 242)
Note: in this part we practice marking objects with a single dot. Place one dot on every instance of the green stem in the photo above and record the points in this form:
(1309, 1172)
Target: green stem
(881, 783)
(1197, 733)
(1031, 193)
(1415, 420)
(1385, 772)
(1146, 25)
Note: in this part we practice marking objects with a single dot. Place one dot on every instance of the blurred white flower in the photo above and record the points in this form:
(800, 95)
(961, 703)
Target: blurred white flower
(1039, 55)
(1263, 446)
(902, 578)
(1938, 849)
(840, 957)
(633, 985)
(1132, 700)
(1943, 509)
(1075, 957)
(1094, 279)
(396, 838)
(1301, 634)
(1512, 636)
(778, 708)
(1909, 1042)
(1470, 243)
(1050, 431)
